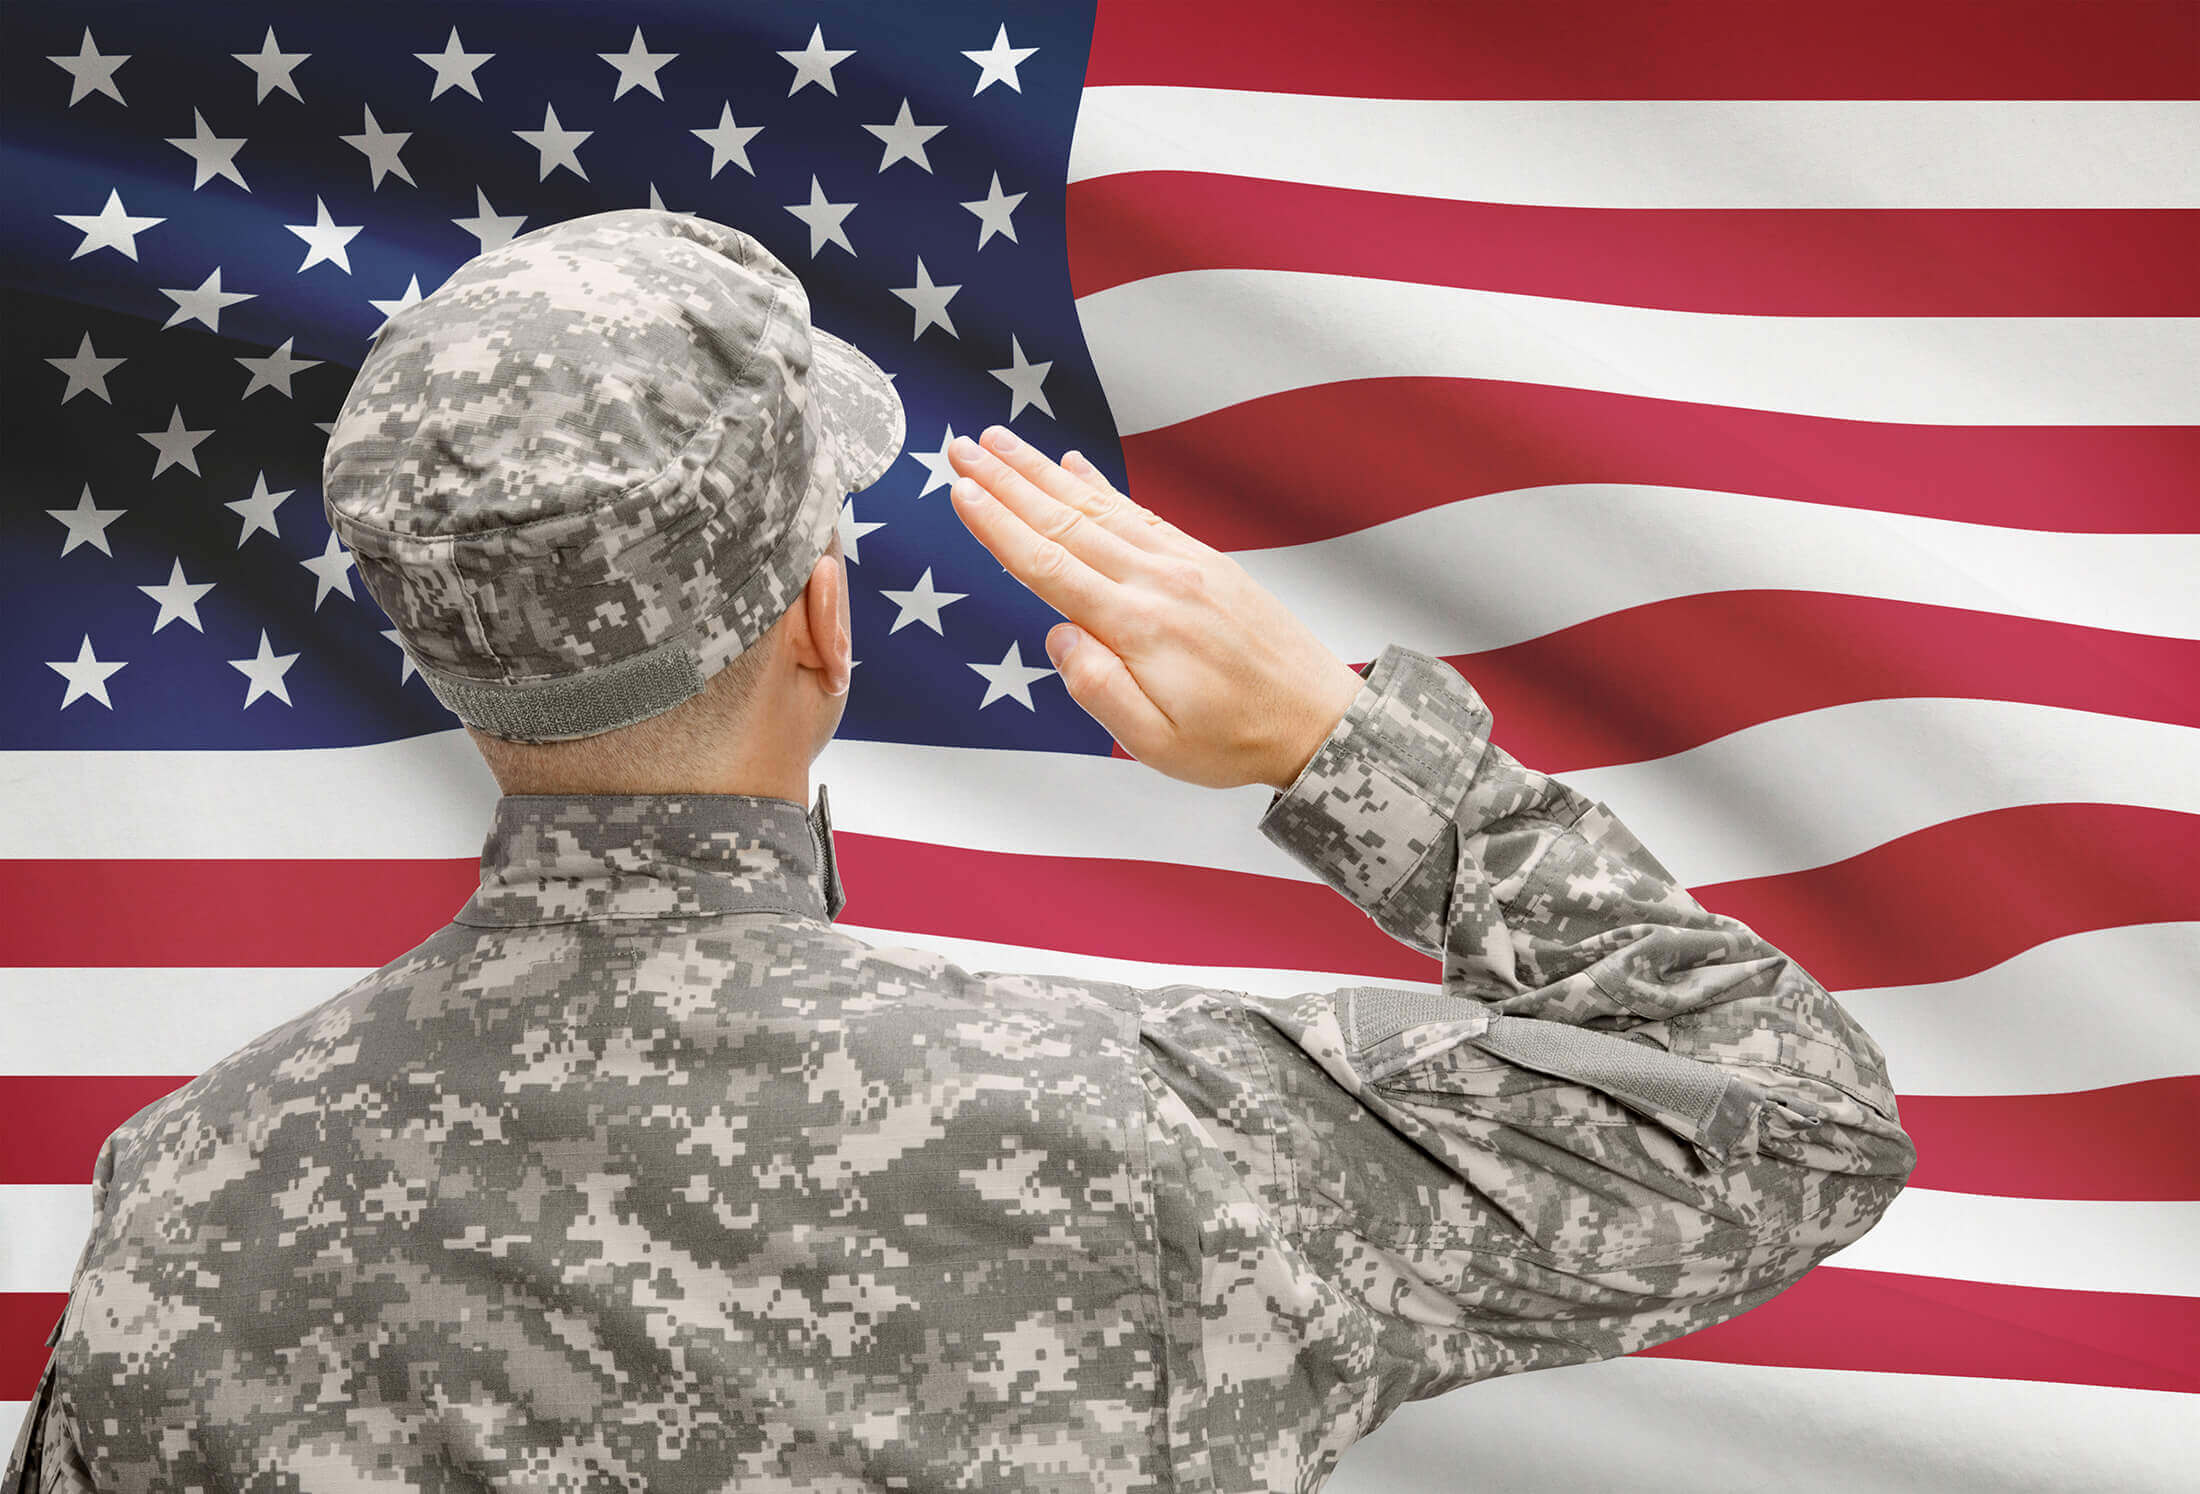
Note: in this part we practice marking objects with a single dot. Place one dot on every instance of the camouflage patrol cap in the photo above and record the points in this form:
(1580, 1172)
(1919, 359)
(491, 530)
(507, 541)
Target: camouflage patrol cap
(597, 464)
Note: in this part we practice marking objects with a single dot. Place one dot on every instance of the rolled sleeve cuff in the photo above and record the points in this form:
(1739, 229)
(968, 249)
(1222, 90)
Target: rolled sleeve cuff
(1387, 781)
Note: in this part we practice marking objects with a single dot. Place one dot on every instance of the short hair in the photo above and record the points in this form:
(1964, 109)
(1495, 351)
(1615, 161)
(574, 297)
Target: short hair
(665, 753)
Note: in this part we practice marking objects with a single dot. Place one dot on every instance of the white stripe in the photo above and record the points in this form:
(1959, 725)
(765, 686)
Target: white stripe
(1684, 1426)
(86, 1020)
(2059, 1244)
(45, 1226)
(1821, 786)
(1465, 575)
(2086, 1011)
(1780, 796)
(1172, 347)
(2008, 1030)
(1661, 153)
(2083, 1246)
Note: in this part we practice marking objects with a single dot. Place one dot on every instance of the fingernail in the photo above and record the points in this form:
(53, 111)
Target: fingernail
(1003, 438)
(1060, 644)
(965, 447)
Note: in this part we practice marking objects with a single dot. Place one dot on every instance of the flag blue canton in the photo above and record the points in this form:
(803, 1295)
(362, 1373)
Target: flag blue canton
(212, 213)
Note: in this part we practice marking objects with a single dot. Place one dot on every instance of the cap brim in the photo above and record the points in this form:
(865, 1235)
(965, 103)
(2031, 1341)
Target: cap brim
(858, 403)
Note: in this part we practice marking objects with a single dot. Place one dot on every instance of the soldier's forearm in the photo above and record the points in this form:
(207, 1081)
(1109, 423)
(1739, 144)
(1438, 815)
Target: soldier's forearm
(1542, 904)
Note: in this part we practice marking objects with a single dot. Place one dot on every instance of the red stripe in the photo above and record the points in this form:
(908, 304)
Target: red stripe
(1644, 682)
(226, 912)
(2124, 1143)
(2060, 1146)
(53, 1125)
(1942, 902)
(1653, 49)
(1821, 262)
(1849, 1319)
(311, 913)
(2112, 865)
(25, 1320)
(1960, 896)
(1334, 458)
(1834, 1318)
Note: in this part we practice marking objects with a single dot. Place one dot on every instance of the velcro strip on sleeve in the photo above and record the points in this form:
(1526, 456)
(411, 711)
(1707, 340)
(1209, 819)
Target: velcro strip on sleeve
(1709, 1104)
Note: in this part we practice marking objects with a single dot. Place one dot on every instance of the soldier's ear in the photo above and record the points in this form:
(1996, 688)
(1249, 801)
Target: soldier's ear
(819, 633)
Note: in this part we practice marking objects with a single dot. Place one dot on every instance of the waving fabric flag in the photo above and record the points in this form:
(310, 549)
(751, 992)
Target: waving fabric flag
(1787, 417)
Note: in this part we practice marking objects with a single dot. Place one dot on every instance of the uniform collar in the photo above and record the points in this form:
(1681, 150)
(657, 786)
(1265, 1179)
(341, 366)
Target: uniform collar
(560, 858)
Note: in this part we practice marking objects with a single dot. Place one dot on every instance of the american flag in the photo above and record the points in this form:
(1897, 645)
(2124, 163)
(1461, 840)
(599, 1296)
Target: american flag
(1787, 417)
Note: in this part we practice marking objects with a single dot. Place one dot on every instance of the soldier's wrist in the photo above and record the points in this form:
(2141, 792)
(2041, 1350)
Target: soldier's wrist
(1325, 708)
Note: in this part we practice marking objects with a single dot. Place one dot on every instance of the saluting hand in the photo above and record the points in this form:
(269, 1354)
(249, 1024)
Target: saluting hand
(1197, 670)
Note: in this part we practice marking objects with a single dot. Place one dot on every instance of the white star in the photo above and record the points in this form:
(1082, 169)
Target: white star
(1011, 677)
(380, 147)
(177, 446)
(998, 62)
(929, 300)
(493, 231)
(938, 473)
(276, 370)
(204, 304)
(86, 523)
(824, 219)
(177, 598)
(728, 141)
(266, 672)
(91, 73)
(814, 64)
(905, 139)
(391, 308)
(109, 228)
(454, 66)
(657, 204)
(271, 67)
(1023, 380)
(87, 370)
(211, 155)
(993, 211)
(329, 568)
(408, 671)
(324, 240)
(637, 66)
(556, 144)
(86, 675)
(922, 604)
(258, 510)
(850, 530)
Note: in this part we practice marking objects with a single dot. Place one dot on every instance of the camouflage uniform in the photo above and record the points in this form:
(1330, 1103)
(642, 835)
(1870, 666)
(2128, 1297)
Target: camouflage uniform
(641, 1174)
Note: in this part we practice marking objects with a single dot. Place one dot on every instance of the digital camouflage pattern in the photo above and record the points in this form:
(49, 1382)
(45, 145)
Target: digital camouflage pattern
(640, 1174)
(597, 463)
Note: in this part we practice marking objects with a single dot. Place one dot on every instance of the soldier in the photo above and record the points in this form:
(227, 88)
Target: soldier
(640, 1174)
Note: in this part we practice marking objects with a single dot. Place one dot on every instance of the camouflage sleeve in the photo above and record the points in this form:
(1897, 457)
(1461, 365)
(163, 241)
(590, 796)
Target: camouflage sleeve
(1621, 1119)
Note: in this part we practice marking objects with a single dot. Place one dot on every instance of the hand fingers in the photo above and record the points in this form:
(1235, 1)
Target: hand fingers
(1051, 569)
(1120, 512)
(1103, 686)
(1059, 503)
